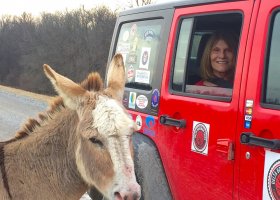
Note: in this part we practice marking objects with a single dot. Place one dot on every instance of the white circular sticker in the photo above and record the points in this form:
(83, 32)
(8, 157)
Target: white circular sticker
(125, 36)
(138, 122)
(141, 101)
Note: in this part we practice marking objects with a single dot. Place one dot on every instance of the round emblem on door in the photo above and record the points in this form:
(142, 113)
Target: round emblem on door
(273, 181)
(200, 137)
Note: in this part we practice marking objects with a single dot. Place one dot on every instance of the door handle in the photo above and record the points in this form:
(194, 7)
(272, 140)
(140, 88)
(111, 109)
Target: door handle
(164, 119)
(251, 139)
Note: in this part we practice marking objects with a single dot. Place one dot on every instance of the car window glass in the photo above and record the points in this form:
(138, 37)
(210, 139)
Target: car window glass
(182, 53)
(272, 92)
(193, 36)
(138, 42)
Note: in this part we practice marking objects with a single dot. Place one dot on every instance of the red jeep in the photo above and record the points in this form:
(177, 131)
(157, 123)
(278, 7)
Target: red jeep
(195, 141)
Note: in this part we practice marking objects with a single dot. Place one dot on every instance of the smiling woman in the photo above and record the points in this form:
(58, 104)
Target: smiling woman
(218, 60)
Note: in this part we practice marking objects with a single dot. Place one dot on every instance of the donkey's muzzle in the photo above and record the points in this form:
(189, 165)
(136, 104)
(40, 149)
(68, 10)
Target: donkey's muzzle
(132, 192)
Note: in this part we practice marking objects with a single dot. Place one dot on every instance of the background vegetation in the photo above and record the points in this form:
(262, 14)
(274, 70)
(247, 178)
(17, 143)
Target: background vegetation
(73, 42)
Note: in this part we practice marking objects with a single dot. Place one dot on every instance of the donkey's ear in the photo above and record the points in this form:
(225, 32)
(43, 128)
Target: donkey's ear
(116, 77)
(70, 92)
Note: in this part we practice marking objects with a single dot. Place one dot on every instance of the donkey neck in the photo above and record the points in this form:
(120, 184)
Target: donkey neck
(48, 155)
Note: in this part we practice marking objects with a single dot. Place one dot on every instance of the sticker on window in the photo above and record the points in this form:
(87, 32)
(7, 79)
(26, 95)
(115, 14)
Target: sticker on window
(125, 36)
(132, 100)
(142, 76)
(124, 48)
(145, 57)
(149, 35)
(130, 73)
(142, 101)
(155, 98)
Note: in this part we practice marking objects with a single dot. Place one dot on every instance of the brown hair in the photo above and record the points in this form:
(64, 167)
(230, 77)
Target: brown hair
(205, 66)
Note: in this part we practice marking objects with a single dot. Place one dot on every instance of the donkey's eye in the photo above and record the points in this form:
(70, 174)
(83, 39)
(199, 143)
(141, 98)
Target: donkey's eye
(96, 141)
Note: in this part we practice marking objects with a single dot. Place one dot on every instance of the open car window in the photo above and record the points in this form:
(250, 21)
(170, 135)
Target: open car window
(193, 34)
(271, 94)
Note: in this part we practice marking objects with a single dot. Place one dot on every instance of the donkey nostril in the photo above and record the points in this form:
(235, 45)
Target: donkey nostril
(117, 196)
(136, 196)
(127, 196)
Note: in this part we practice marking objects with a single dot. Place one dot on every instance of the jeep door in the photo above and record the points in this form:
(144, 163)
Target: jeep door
(198, 124)
(260, 110)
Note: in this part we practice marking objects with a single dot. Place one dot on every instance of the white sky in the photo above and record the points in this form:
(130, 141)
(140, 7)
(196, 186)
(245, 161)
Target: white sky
(17, 7)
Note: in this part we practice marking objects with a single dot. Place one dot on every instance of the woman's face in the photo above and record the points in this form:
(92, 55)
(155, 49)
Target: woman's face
(222, 58)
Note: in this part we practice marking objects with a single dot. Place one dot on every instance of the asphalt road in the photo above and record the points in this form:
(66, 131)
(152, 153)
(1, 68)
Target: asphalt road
(15, 109)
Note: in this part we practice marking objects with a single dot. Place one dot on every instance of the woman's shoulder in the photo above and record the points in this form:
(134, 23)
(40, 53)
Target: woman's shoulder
(201, 82)
(206, 83)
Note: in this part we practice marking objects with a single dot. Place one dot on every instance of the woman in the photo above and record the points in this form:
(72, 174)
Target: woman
(218, 60)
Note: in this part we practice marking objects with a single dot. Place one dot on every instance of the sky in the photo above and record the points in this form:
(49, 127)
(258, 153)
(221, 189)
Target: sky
(35, 7)
(17, 7)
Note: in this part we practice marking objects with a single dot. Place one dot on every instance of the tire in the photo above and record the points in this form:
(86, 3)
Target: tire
(94, 194)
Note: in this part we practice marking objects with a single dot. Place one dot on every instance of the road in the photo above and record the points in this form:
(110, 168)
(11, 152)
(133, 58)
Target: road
(16, 106)
(14, 110)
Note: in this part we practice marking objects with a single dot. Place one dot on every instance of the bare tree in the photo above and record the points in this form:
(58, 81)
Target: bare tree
(139, 3)
(76, 41)
(143, 2)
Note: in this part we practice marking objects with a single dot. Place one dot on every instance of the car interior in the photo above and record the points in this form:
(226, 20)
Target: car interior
(204, 26)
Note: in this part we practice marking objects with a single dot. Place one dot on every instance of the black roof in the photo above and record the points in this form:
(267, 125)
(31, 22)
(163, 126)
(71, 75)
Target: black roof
(169, 5)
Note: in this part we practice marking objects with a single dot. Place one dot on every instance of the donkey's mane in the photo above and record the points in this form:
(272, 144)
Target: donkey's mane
(92, 83)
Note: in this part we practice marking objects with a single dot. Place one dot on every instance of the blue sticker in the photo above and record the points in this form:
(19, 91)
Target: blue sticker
(155, 98)
(132, 100)
(149, 126)
(247, 124)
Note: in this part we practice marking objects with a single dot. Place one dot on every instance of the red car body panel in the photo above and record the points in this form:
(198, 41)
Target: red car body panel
(212, 175)
(265, 120)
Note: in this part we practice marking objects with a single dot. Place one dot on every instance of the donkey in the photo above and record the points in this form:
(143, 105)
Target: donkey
(84, 140)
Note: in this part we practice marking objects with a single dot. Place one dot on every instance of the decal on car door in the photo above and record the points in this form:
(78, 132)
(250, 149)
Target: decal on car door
(271, 180)
(248, 113)
(200, 137)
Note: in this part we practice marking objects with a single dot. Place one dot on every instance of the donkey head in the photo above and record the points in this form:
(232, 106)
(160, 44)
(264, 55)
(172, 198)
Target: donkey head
(103, 148)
